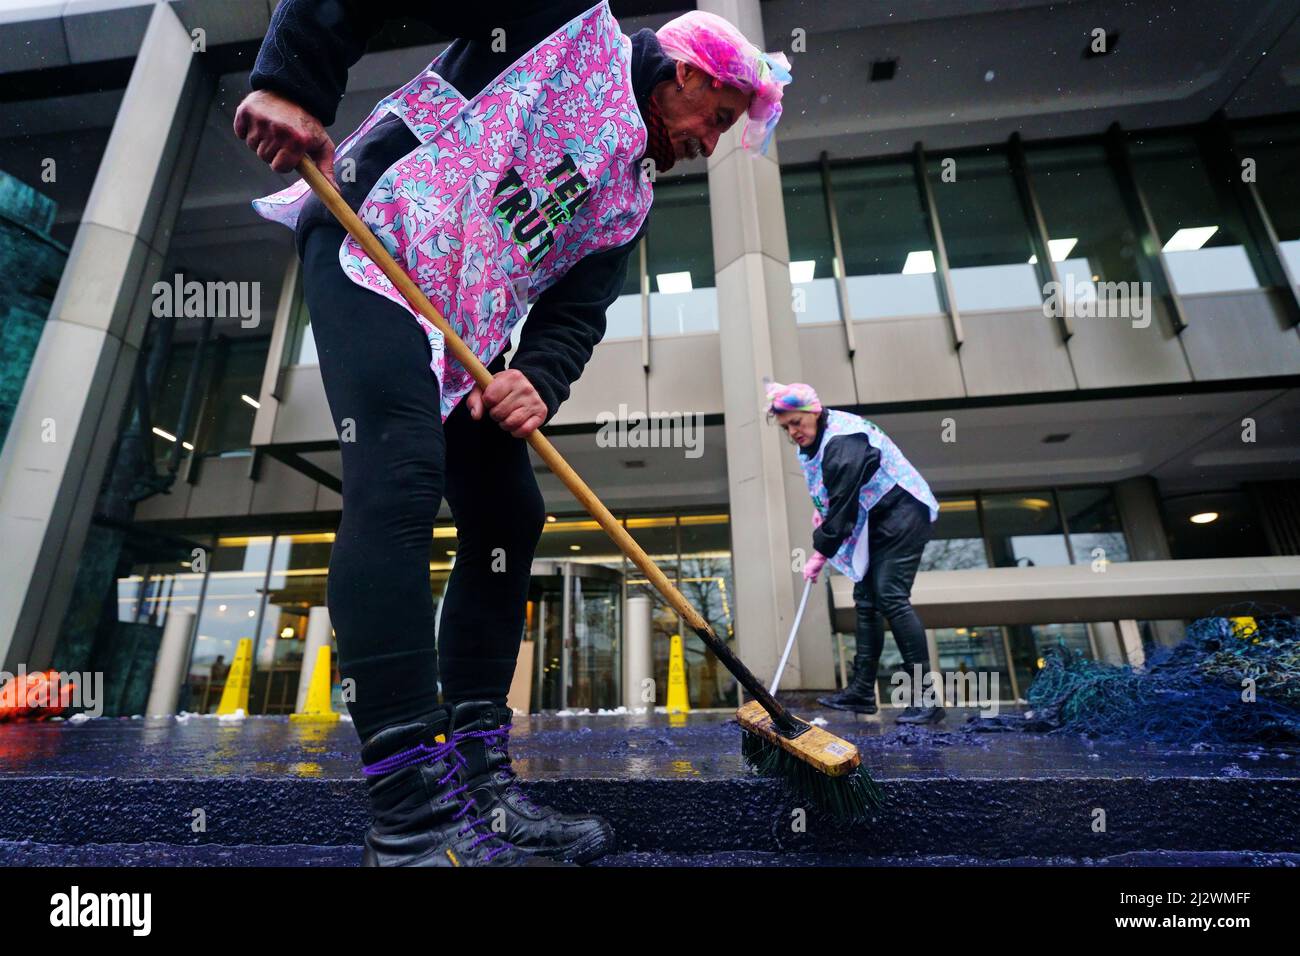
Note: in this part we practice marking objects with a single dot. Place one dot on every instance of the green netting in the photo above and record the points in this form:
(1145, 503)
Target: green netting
(1234, 679)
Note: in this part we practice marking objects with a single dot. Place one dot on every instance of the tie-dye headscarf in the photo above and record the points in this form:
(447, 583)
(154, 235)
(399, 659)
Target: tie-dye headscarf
(795, 397)
(709, 43)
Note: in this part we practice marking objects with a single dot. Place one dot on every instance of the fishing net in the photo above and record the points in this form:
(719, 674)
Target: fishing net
(1235, 678)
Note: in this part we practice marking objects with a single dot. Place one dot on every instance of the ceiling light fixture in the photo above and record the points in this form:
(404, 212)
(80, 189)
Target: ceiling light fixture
(919, 263)
(671, 283)
(802, 271)
(1189, 240)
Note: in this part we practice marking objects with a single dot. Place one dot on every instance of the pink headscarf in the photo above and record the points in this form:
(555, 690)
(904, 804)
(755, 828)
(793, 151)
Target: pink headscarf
(795, 397)
(709, 43)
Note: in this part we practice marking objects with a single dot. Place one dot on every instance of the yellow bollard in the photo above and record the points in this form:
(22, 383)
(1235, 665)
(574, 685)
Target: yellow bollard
(678, 698)
(234, 697)
(318, 708)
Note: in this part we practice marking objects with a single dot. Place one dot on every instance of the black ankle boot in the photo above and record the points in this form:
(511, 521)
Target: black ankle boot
(481, 731)
(860, 695)
(423, 815)
(920, 715)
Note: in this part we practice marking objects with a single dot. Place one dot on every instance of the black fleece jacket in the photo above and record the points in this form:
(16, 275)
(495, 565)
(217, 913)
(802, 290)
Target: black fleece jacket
(848, 463)
(305, 58)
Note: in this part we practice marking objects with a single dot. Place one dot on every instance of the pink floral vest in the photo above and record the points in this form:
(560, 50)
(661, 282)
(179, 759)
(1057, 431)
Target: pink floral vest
(506, 191)
(852, 558)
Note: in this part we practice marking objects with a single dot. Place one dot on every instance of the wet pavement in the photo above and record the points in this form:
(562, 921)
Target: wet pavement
(705, 746)
(276, 793)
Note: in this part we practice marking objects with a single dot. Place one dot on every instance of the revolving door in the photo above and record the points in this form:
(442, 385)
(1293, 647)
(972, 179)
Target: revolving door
(575, 619)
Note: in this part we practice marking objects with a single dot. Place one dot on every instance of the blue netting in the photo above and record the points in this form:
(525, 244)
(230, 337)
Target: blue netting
(1194, 692)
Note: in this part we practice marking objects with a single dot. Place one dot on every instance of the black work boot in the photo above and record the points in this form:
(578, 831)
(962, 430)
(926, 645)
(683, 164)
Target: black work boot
(423, 815)
(860, 695)
(920, 715)
(481, 731)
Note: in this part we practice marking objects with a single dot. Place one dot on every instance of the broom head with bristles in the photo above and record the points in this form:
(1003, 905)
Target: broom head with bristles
(824, 769)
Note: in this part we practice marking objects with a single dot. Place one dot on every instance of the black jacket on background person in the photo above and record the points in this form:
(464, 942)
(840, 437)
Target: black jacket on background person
(848, 463)
(305, 58)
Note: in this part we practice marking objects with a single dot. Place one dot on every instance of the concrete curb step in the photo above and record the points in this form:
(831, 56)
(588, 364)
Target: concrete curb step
(990, 819)
(24, 853)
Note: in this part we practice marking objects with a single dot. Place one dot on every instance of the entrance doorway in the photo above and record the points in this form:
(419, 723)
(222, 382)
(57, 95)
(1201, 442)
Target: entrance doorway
(575, 619)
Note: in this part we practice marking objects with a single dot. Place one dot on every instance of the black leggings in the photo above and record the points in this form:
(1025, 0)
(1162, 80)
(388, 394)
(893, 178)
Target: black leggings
(895, 542)
(399, 459)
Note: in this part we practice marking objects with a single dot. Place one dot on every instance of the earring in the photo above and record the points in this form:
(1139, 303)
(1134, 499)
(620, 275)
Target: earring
(679, 87)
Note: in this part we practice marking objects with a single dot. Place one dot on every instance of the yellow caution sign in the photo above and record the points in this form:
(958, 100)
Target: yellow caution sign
(235, 696)
(1246, 628)
(678, 698)
(318, 708)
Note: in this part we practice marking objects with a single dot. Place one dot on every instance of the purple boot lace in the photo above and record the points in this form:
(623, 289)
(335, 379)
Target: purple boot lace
(422, 753)
(499, 739)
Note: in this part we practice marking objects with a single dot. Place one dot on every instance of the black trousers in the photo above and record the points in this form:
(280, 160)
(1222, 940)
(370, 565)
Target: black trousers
(399, 460)
(895, 541)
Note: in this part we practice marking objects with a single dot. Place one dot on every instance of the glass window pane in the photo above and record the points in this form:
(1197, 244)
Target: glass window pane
(1201, 227)
(657, 534)
(148, 594)
(229, 615)
(1094, 523)
(166, 409)
(623, 317)
(708, 584)
(300, 349)
(679, 259)
(591, 677)
(888, 253)
(956, 542)
(1276, 152)
(812, 254)
(299, 568)
(1090, 236)
(977, 650)
(985, 233)
(229, 415)
(1024, 530)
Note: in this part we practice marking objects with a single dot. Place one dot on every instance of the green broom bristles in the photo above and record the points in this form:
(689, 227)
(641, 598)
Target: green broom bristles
(849, 798)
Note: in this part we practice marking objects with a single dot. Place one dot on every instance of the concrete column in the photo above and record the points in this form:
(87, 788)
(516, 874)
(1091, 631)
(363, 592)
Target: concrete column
(318, 636)
(638, 659)
(1139, 512)
(67, 419)
(169, 668)
(1138, 503)
(771, 511)
(1130, 639)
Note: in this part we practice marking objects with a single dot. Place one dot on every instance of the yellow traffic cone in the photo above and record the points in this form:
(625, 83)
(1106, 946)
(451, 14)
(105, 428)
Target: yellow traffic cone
(678, 698)
(318, 708)
(235, 695)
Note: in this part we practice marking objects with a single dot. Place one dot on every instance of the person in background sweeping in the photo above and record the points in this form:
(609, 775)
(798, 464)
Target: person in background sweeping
(513, 172)
(872, 515)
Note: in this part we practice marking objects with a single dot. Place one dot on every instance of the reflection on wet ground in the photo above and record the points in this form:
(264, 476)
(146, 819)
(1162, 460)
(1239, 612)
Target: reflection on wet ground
(608, 747)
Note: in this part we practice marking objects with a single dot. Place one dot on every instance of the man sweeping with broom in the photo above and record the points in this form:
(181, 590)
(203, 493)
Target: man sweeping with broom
(509, 174)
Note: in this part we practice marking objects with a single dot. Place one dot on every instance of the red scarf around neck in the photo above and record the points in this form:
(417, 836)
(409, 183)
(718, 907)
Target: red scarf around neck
(659, 146)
